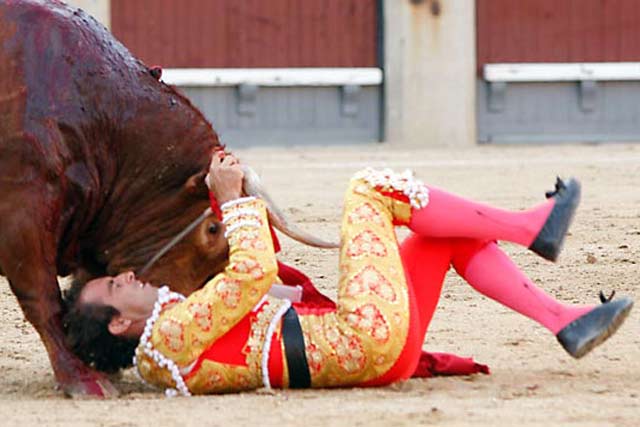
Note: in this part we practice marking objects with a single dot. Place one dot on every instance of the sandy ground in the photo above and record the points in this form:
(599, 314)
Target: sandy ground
(533, 382)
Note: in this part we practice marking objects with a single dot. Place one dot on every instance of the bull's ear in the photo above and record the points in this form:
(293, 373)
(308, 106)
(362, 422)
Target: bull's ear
(195, 184)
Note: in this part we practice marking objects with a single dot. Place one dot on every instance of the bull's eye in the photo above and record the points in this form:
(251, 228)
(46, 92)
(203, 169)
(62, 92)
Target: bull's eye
(213, 228)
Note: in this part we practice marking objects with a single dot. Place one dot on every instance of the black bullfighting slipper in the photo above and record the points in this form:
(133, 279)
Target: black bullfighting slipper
(549, 241)
(592, 329)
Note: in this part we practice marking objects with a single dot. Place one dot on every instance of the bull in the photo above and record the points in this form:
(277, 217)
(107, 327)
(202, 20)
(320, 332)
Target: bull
(101, 164)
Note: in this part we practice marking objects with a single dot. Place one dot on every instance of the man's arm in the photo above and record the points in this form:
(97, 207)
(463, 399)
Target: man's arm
(183, 332)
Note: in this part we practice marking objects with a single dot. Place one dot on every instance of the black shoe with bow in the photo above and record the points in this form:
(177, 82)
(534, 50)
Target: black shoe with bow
(593, 328)
(549, 241)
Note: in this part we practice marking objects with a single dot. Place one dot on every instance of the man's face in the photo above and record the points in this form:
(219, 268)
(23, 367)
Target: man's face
(132, 298)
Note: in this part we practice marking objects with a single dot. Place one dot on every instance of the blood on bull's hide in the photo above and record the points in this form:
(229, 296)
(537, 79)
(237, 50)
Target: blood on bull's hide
(100, 165)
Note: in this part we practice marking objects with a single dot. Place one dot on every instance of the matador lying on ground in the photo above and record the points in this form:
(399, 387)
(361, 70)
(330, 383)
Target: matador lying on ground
(232, 335)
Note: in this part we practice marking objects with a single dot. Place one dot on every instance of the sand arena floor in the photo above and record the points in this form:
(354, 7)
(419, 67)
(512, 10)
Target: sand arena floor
(533, 382)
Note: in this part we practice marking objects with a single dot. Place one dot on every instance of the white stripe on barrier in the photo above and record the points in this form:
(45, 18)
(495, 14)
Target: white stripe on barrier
(197, 77)
(542, 72)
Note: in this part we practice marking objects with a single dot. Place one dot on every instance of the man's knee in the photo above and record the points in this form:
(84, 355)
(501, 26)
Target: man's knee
(464, 250)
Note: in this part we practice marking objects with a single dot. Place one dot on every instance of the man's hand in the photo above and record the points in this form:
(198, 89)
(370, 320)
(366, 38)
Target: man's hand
(225, 177)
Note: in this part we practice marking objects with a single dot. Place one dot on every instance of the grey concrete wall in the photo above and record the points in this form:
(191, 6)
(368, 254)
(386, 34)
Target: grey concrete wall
(99, 9)
(290, 115)
(429, 64)
(526, 112)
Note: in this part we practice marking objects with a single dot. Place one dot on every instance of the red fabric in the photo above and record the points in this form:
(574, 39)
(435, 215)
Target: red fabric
(394, 195)
(274, 238)
(215, 207)
(228, 348)
(276, 362)
(432, 364)
(310, 295)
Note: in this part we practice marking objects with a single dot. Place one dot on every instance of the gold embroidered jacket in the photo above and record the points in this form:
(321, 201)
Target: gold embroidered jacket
(236, 298)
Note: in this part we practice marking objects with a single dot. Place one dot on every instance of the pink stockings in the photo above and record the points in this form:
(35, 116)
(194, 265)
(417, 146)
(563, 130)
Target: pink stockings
(491, 272)
(453, 231)
(488, 270)
(448, 215)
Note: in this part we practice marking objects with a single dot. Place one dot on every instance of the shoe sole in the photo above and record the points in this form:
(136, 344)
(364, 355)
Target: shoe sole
(611, 329)
(547, 249)
(574, 208)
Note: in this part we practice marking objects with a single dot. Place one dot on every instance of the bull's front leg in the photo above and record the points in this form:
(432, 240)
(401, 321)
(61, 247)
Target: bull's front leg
(27, 258)
(43, 310)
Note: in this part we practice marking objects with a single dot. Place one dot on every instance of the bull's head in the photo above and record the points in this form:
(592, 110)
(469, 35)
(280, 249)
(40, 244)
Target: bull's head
(133, 236)
(199, 251)
(197, 257)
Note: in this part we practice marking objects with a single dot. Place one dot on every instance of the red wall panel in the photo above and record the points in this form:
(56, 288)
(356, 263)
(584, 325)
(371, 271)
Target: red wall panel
(557, 31)
(249, 33)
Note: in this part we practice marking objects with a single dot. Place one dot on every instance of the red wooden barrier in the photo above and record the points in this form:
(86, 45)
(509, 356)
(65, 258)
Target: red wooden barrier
(557, 31)
(249, 33)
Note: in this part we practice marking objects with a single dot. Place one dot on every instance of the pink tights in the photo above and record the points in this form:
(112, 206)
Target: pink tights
(448, 215)
(454, 231)
(488, 270)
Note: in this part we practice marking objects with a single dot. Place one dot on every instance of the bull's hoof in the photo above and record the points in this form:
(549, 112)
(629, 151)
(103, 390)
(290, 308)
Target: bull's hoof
(95, 386)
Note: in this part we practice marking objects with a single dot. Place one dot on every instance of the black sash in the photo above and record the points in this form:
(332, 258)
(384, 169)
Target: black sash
(299, 376)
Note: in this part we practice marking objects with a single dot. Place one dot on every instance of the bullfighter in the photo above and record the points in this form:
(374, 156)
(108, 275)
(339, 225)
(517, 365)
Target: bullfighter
(232, 335)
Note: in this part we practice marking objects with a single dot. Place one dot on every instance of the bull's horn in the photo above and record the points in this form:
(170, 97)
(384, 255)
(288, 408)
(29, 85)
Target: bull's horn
(253, 187)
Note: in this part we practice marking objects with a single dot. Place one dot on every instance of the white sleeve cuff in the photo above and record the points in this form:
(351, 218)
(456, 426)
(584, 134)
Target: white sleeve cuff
(235, 202)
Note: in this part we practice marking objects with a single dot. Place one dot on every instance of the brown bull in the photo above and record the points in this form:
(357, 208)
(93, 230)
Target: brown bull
(100, 165)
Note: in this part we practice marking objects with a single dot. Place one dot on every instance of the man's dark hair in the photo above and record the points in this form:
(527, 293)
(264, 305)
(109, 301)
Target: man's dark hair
(88, 336)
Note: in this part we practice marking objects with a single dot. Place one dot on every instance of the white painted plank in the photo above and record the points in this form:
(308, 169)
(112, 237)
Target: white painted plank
(207, 77)
(543, 72)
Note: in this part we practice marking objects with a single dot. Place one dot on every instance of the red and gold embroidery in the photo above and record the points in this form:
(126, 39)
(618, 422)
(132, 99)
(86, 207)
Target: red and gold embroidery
(229, 291)
(363, 338)
(202, 315)
(366, 243)
(369, 279)
(370, 320)
(365, 213)
(315, 358)
(172, 334)
(215, 377)
(349, 352)
(257, 336)
(248, 239)
(249, 266)
(403, 186)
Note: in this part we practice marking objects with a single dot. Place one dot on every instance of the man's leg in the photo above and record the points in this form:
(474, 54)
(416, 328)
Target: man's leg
(578, 328)
(426, 261)
(432, 211)
(437, 213)
(376, 317)
(448, 215)
(492, 273)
